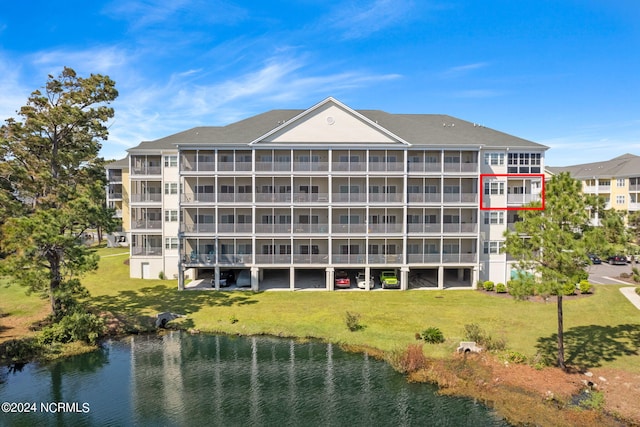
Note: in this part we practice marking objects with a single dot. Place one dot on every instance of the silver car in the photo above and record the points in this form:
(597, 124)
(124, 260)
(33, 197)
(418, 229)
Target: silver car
(362, 282)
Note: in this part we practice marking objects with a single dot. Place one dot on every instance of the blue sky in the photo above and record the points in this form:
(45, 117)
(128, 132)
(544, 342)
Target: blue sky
(564, 73)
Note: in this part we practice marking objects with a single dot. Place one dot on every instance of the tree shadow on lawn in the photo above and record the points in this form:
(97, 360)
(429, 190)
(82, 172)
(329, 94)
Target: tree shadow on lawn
(590, 346)
(160, 298)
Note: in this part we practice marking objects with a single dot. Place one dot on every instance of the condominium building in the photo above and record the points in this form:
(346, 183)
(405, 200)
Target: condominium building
(617, 180)
(301, 194)
(117, 192)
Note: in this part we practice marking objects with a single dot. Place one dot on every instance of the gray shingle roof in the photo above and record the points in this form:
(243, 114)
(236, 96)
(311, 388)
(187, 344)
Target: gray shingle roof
(417, 129)
(118, 164)
(619, 167)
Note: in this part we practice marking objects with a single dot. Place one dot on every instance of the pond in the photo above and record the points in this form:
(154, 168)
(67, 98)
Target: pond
(179, 379)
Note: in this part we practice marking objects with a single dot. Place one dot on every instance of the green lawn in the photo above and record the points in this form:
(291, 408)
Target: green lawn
(600, 330)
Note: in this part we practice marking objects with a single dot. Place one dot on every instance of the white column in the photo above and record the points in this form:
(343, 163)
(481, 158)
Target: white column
(292, 278)
(404, 278)
(256, 274)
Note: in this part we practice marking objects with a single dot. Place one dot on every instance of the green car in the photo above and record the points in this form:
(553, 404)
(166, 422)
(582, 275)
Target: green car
(388, 279)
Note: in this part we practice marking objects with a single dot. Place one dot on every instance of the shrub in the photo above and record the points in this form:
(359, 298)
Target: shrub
(433, 335)
(585, 287)
(515, 357)
(580, 276)
(473, 332)
(408, 360)
(77, 326)
(488, 285)
(353, 321)
(568, 289)
(636, 274)
(595, 400)
(501, 288)
(521, 289)
(161, 275)
(638, 291)
(20, 350)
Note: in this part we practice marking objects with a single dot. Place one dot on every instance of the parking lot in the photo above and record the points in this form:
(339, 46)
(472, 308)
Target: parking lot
(609, 274)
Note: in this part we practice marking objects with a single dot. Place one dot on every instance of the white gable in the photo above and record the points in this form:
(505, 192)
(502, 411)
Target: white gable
(330, 123)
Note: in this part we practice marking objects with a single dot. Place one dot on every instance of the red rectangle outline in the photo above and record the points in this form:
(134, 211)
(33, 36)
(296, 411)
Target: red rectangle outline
(512, 175)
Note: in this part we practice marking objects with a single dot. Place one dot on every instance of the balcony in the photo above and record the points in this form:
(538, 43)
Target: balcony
(114, 196)
(273, 228)
(348, 166)
(348, 259)
(146, 251)
(310, 166)
(424, 197)
(114, 176)
(461, 167)
(273, 197)
(273, 259)
(273, 166)
(195, 259)
(190, 163)
(198, 228)
(385, 228)
(146, 198)
(349, 197)
(385, 198)
(235, 228)
(349, 228)
(460, 228)
(423, 258)
(234, 197)
(522, 199)
(234, 167)
(386, 167)
(311, 259)
(425, 167)
(310, 228)
(146, 224)
(460, 198)
(310, 197)
(424, 228)
(198, 197)
(456, 258)
(146, 170)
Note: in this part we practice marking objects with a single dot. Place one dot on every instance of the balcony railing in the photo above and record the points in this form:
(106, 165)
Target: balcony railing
(385, 228)
(237, 166)
(310, 197)
(146, 170)
(461, 167)
(310, 166)
(424, 228)
(311, 259)
(145, 251)
(114, 195)
(459, 258)
(385, 198)
(424, 197)
(191, 164)
(114, 177)
(198, 228)
(460, 228)
(146, 224)
(198, 197)
(273, 197)
(310, 228)
(425, 167)
(460, 198)
(423, 258)
(348, 166)
(349, 228)
(273, 259)
(522, 199)
(273, 166)
(234, 228)
(348, 259)
(234, 197)
(273, 228)
(196, 259)
(146, 197)
(349, 197)
(386, 167)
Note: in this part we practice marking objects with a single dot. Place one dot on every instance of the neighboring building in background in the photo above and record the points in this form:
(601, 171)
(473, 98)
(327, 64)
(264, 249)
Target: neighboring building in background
(310, 192)
(118, 198)
(617, 181)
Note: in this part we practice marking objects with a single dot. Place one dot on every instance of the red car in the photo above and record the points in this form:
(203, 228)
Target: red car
(342, 279)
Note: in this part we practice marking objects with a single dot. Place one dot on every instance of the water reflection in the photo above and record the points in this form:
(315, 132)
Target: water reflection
(181, 380)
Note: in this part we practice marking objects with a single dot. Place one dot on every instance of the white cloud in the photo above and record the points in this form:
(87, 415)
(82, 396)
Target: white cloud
(462, 70)
(359, 20)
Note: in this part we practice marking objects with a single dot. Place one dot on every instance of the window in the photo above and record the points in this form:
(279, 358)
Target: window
(451, 219)
(620, 200)
(171, 243)
(170, 188)
(451, 159)
(227, 219)
(605, 182)
(494, 217)
(524, 162)
(494, 187)
(170, 161)
(494, 159)
(171, 216)
(451, 189)
(226, 189)
(620, 182)
(492, 247)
